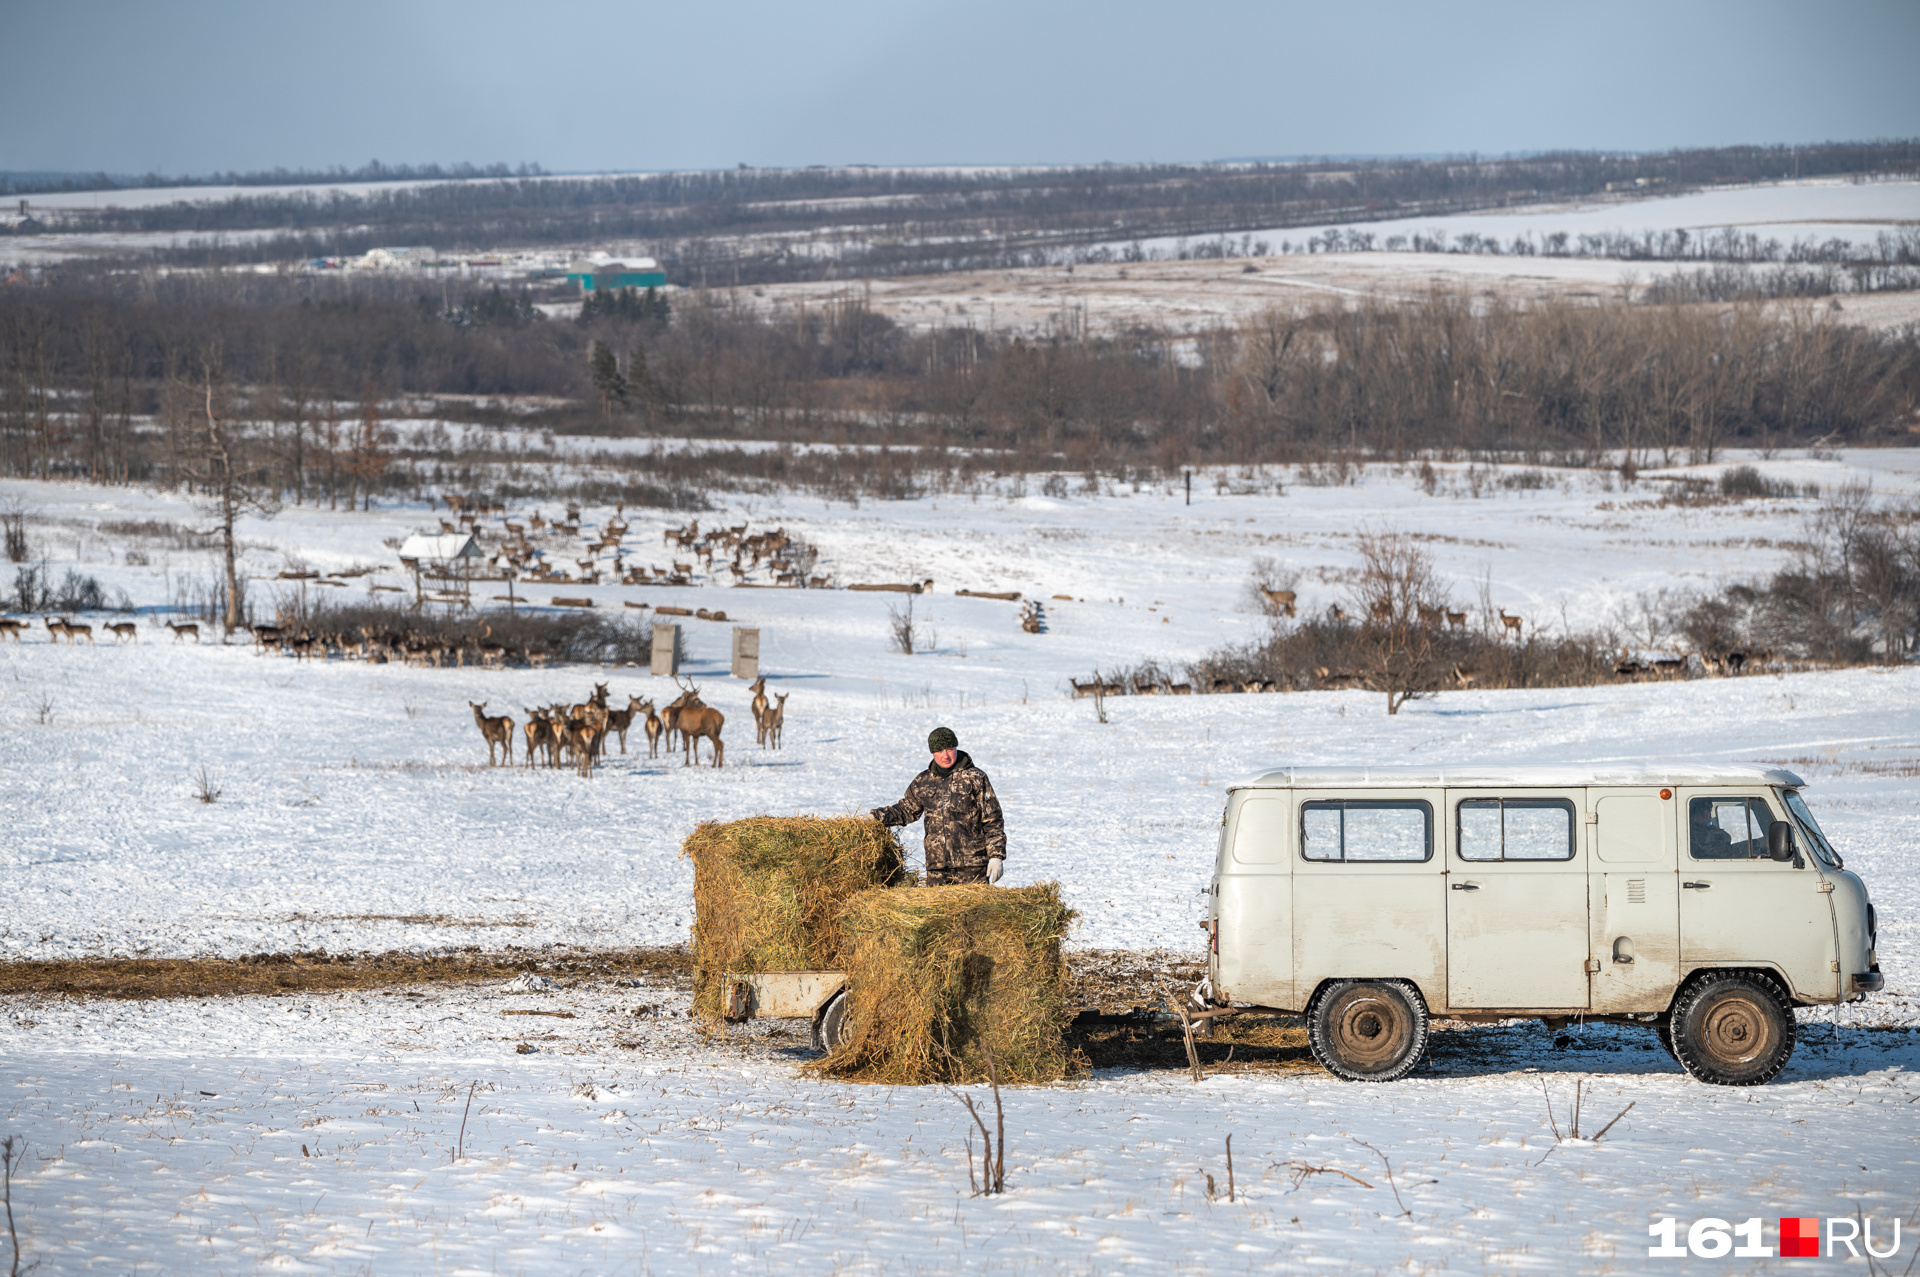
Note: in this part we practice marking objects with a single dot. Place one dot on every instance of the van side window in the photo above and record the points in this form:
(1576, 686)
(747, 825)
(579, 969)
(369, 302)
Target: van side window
(1728, 828)
(1371, 830)
(1514, 828)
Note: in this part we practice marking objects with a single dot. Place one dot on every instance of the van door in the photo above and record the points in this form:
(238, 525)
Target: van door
(1516, 900)
(1255, 905)
(1367, 889)
(1636, 898)
(1738, 908)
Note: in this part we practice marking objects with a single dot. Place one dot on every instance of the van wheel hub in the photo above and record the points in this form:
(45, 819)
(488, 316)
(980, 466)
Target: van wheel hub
(1733, 1028)
(1368, 1030)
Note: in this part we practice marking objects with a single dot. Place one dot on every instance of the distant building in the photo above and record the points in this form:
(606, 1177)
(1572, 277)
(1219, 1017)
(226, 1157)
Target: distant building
(397, 258)
(592, 273)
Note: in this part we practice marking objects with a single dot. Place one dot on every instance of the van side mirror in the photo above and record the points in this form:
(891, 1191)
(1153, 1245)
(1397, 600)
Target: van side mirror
(1780, 841)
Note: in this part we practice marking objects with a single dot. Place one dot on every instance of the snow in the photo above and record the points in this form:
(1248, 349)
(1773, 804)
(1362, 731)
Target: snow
(356, 814)
(1820, 209)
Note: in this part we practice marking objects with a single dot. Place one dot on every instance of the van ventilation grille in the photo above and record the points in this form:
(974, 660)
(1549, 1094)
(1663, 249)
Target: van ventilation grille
(1636, 891)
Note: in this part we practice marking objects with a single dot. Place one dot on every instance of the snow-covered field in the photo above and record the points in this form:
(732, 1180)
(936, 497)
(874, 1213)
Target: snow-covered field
(357, 815)
(1819, 209)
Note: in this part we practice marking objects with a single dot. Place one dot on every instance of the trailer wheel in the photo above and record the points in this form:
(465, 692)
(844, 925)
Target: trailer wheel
(1732, 1028)
(1368, 1030)
(830, 1030)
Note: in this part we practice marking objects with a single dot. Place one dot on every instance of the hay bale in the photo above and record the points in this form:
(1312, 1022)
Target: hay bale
(939, 976)
(768, 893)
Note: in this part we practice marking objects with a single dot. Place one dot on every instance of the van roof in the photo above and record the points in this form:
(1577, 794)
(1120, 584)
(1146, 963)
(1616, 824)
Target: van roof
(1553, 776)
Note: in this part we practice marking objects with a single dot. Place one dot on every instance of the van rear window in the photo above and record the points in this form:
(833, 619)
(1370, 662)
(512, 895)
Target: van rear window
(1363, 830)
(1514, 828)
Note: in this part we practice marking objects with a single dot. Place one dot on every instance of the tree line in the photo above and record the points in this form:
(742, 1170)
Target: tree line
(89, 369)
(772, 225)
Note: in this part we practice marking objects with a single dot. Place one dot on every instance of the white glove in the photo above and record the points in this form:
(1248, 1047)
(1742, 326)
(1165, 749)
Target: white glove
(995, 868)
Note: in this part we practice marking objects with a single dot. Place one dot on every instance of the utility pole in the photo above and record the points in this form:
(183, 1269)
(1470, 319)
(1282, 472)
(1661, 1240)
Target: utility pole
(1189, 487)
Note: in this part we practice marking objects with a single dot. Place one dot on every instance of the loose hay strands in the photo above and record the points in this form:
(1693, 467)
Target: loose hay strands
(942, 979)
(768, 893)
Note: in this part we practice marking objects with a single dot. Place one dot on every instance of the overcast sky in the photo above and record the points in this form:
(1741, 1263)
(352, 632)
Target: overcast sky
(201, 85)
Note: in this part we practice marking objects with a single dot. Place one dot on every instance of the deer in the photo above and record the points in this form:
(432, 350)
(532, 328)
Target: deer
(73, 630)
(1382, 611)
(1464, 677)
(589, 737)
(1512, 623)
(1457, 620)
(11, 628)
(655, 729)
(620, 720)
(539, 736)
(125, 631)
(776, 721)
(493, 654)
(1280, 602)
(697, 719)
(182, 631)
(759, 690)
(498, 731)
(1429, 615)
(1084, 689)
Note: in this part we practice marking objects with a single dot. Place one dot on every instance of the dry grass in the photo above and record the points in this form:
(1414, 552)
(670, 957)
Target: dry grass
(940, 977)
(768, 892)
(283, 973)
(413, 919)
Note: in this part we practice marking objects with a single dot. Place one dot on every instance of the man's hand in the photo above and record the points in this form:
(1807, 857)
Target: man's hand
(995, 868)
(879, 814)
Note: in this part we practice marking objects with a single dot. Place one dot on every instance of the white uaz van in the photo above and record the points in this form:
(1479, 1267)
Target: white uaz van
(1702, 901)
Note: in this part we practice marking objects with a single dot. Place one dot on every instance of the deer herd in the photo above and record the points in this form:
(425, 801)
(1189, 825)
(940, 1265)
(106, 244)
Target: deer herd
(576, 735)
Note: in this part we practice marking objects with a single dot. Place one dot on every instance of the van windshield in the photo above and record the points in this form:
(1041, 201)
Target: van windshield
(1810, 827)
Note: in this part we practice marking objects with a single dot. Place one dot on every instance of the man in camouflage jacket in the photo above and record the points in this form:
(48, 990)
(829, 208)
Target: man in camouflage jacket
(966, 839)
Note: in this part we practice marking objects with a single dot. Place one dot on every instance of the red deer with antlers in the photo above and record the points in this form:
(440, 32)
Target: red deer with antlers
(695, 720)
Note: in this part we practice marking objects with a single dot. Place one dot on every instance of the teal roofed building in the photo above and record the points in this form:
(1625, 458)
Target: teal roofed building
(592, 275)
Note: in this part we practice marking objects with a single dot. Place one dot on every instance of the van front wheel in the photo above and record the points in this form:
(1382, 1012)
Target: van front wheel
(1368, 1030)
(1731, 1028)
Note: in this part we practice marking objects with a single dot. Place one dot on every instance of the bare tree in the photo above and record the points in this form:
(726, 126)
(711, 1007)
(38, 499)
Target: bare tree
(1397, 600)
(224, 479)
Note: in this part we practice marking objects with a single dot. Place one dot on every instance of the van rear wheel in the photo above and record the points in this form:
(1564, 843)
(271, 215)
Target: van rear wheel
(1368, 1030)
(1732, 1028)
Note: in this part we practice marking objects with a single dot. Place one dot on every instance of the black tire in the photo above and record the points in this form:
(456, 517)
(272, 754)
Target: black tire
(832, 1030)
(1733, 1028)
(1368, 1030)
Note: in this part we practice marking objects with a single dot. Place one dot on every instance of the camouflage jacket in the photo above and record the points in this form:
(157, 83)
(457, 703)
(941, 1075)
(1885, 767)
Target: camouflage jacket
(964, 827)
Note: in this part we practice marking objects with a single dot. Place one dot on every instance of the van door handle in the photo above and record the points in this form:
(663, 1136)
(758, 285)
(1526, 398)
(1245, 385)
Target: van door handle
(1697, 886)
(1466, 886)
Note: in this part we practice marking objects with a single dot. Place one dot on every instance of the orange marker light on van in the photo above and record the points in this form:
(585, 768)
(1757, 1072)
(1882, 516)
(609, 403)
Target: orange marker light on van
(1666, 793)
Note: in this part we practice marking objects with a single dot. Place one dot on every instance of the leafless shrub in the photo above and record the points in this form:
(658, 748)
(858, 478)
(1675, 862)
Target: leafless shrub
(43, 709)
(902, 633)
(1394, 646)
(206, 785)
(1747, 481)
(13, 1151)
(15, 524)
(993, 1152)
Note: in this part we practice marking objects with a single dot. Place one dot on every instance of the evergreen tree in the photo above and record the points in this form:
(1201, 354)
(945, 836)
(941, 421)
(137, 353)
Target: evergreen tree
(604, 366)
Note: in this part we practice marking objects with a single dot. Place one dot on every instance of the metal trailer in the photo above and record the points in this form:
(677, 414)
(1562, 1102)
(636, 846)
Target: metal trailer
(816, 996)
